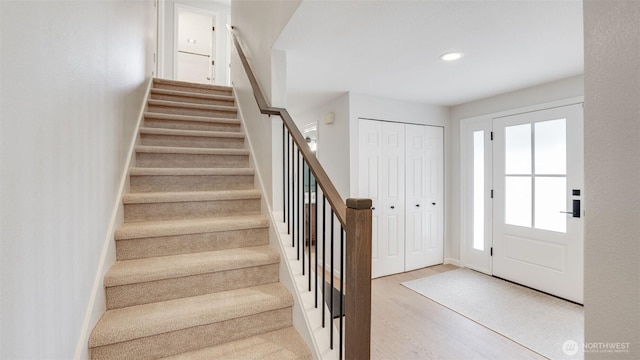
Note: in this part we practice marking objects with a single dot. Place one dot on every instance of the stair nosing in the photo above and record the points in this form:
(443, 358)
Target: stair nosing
(151, 319)
(148, 229)
(190, 264)
(192, 94)
(284, 334)
(193, 85)
(209, 119)
(180, 104)
(190, 150)
(191, 133)
(152, 171)
(189, 196)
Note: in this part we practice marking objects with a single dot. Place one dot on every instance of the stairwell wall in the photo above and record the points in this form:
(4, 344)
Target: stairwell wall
(74, 76)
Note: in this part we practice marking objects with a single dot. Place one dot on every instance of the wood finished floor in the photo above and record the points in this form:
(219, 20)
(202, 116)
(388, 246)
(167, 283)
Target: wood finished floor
(407, 325)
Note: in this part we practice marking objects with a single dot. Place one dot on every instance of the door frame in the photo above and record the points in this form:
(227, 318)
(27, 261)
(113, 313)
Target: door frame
(214, 49)
(465, 197)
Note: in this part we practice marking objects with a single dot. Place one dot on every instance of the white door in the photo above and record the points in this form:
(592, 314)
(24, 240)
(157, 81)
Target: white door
(538, 188)
(381, 169)
(195, 45)
(424, 245)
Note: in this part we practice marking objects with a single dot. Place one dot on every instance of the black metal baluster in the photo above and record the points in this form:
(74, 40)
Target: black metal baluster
(309, 226)
(341, 287)
(284, 176)
(300, 180)
(295, 201)
(324, 232)
(288, 180)
(304, 216)
(331, 293)
(316, 244)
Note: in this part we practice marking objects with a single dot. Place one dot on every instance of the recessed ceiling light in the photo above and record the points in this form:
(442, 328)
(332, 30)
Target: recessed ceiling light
(451, 56)
(191, 41)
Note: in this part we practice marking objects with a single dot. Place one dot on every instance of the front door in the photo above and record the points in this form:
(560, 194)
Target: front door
(537, 205)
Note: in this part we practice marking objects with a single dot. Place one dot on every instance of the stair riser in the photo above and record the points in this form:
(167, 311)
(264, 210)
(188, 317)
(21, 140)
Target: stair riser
(193, 89)
(176, 342)
(162, 160)
(231, 114)
(192, 141)
(190, 210)
(190, 243)
(162, 290)
(190, 125)
(193, 100)
(156, 183)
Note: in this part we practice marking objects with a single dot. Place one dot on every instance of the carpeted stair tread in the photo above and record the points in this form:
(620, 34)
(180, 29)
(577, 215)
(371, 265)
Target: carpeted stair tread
(197, 133)
(175, 266)
(284, 344)
(190, 150)
(147, 229)
(191, 171)
(185, 105)
(192, 94)
(191, 85)
(139, 321)
(163, 116)
(168, 197)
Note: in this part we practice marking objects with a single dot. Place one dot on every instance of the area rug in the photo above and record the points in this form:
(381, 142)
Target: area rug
(547, 325)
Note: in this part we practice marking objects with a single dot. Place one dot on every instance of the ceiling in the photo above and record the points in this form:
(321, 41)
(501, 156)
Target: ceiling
(391, 48)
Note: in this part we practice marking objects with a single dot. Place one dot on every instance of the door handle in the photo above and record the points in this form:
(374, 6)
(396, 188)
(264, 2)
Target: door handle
(433, 203)
(393, 207)
(417, 205)
(576, 209)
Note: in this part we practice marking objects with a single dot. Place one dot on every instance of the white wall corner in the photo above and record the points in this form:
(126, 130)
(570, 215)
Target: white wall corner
(451, 261)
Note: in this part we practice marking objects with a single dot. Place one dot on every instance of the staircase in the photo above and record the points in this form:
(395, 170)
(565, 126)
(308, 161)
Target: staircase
(195, 277)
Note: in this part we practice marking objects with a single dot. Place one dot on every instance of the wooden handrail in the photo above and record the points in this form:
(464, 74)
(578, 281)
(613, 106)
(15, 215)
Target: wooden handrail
(330, 192)
(355, 217)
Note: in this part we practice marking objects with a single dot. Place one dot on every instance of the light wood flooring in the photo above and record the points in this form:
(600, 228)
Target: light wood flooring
(407, 325)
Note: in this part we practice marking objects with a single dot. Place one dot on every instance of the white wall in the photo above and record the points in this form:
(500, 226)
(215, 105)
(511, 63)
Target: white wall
(612, 174)
(168, 47)
(558, 90)
(333, 139)
(259, 23)
(73, 79)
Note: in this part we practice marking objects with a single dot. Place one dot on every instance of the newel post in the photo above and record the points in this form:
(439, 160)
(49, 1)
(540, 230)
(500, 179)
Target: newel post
(358, 280)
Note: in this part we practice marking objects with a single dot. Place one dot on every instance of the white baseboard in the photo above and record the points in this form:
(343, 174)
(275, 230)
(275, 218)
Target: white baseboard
(97, 301)
(452, 261)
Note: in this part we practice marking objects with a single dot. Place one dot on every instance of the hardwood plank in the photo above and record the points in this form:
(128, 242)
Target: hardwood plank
(407, 325)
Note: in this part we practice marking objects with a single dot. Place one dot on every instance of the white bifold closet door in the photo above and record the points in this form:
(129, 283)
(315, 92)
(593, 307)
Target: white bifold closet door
(424, 212)
(401, 170)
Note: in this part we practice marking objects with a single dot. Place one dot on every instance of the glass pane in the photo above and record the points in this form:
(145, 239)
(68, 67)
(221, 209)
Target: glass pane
(478, 190)
(518, 149)
(551, 147)
(518, 200)
(551, 195)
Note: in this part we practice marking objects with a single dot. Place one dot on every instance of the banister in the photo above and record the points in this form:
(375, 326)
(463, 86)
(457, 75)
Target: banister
(355, 217)
(325, 183)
